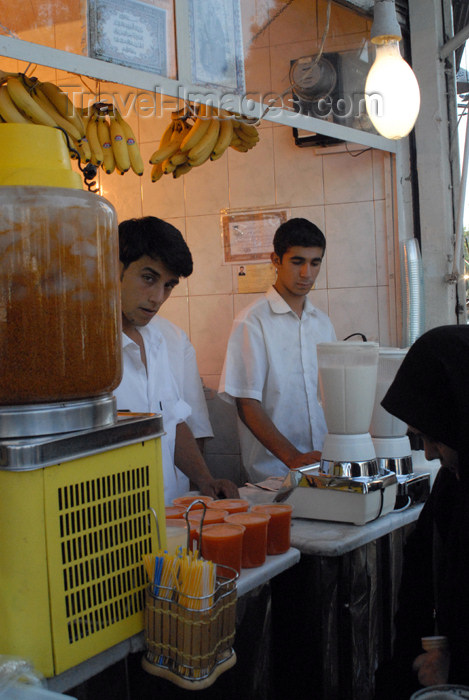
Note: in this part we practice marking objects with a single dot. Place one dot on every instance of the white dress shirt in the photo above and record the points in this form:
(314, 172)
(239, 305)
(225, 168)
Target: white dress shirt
(271, 357)
(183, 362)
(154, 390)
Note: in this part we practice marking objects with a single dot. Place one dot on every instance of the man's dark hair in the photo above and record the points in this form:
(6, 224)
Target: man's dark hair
(298, 232)
(157, 239)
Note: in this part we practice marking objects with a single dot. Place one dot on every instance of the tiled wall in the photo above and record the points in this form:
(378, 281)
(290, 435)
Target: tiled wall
(347, 192)
(343, 194)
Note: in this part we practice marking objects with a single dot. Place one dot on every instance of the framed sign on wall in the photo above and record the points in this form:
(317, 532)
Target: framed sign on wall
(216, 44)
(133, 33)
(248, 235)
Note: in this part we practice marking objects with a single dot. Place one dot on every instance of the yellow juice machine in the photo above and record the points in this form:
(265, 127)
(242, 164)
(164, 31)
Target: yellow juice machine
(75, 521)
(78, 483)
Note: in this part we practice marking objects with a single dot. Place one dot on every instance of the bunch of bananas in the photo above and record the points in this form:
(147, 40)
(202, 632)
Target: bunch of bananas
(112, 144)
(26, 100)
(196, 135)
(111, 140)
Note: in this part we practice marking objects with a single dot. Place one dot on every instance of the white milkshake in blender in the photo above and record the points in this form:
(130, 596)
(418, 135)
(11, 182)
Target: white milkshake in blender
(347, 381)
(392, 445)
(348, 485)
(389, 434)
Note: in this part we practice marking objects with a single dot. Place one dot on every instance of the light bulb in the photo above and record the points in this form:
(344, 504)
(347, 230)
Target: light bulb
(392, 94)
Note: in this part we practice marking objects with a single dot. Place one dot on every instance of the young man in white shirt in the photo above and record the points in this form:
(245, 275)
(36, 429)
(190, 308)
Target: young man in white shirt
(183, 362)
(270, 368)
(153, 256)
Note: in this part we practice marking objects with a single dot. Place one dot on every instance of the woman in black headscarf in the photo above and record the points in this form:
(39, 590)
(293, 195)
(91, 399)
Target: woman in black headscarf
(431, 394)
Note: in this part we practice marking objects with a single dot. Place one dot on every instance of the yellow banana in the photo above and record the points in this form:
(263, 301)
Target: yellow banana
(216, 156)
(48, 107)
(235, 141)
(198, 129)
(104, 136)
(97, 155)
(241, 149)
(136, 161)
(225, 135)
(8, 110)
(85, 117)
(156, 172)
(177, 114)
(167, 166)
(63, 105)
(247, 140)
(119, 145)
(82, 147)
(201, 152)
(249, 129)
(23, 100)
(178, 158)
(182, 169)
(173, 146)
(165, 150)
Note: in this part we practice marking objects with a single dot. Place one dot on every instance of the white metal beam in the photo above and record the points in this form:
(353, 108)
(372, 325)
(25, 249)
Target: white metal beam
(455, 42)
(245, 104)
(435, 183)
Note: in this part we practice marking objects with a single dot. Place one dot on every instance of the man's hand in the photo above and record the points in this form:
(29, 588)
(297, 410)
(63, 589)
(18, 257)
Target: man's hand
(188, 458)
(302, 459)
(256, 419)
(432, 667)
(218, 488)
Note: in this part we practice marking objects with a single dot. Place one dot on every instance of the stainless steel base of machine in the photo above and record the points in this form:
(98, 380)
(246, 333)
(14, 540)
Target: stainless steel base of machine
(415, 487)
(320, 496)
(398, 465)
(31, 453)
(31, 420)
(350, 469)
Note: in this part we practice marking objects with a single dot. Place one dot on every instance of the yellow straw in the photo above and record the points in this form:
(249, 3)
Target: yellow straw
(191, 579)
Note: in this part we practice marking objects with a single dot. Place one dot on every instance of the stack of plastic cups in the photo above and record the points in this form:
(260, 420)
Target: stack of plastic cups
(413, 303)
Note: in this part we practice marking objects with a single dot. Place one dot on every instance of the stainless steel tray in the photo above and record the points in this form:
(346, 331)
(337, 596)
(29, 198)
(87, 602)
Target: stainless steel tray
(26, 454)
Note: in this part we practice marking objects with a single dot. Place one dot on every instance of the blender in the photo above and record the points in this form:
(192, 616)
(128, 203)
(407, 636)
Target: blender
(348, 485)
(389, 434)
(347, 383)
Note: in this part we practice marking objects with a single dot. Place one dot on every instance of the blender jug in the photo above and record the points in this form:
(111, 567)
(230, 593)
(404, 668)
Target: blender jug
(347, 383)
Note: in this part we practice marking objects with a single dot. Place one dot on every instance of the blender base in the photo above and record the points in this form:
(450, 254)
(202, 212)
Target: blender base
(318, 496)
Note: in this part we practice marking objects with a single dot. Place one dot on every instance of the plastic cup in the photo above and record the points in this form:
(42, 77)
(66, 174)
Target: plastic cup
(186, 501)
(441, 692)
(278, 535)
(174, 512)
(211, 517)
(254, 538)
(223, 544)
(232, 505)
(436, 642)
(176, 535)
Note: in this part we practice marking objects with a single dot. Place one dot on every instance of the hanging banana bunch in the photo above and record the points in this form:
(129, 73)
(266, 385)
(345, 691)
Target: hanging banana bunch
(196, 135)
(111, 140)
(25, 100)
(99, 135)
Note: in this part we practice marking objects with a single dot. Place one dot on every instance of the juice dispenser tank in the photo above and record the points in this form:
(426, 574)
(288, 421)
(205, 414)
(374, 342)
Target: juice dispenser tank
(60, 317)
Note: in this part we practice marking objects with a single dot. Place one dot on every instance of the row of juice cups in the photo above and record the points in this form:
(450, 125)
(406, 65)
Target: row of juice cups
(233, 534)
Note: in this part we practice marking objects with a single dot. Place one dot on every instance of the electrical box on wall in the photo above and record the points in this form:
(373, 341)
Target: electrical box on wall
(331, 87)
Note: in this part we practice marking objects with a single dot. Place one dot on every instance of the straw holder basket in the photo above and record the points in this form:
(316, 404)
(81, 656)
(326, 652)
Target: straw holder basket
(191, 645)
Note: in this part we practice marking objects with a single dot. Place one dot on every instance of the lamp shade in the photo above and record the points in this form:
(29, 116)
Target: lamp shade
(392, 94)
